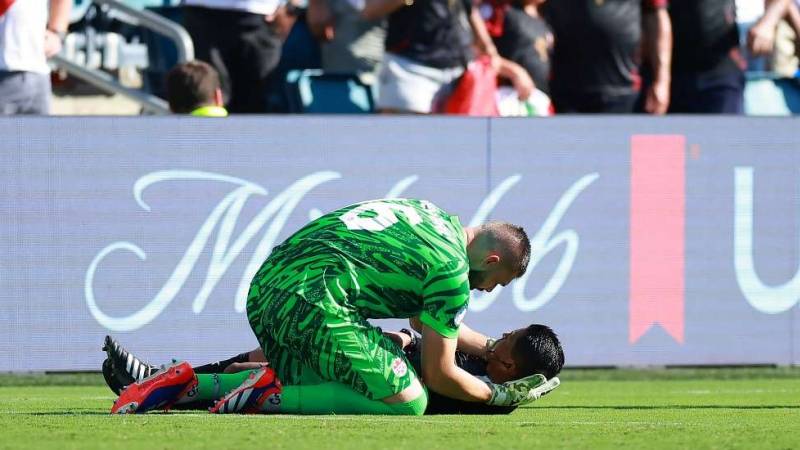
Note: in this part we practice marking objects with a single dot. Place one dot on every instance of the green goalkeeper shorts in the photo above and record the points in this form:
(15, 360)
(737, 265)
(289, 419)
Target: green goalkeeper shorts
(309, 344)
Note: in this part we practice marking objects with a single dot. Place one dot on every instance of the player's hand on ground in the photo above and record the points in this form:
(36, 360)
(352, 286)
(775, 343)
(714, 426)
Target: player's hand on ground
(522, 391)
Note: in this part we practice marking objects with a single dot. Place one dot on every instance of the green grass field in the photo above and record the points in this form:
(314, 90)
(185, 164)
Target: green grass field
(676, 408)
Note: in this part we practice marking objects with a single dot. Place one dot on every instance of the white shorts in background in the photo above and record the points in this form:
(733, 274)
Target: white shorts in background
(408, 86)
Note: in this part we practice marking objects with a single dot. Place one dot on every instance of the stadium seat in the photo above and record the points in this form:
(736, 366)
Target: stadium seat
(313, 92)
(769, 96)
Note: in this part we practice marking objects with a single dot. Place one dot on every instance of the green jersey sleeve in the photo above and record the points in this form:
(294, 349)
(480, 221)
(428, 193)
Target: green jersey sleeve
(445, 296)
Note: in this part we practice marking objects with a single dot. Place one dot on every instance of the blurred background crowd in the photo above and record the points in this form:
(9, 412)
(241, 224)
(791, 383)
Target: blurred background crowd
(522, 57)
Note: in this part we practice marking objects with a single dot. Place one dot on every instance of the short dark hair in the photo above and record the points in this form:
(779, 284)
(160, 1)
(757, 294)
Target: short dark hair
(538, 350)
(515, 241)
(191, 85)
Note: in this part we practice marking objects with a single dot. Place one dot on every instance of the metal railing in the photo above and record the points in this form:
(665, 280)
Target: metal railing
(154, 22)
(138, 18)
(150, 103)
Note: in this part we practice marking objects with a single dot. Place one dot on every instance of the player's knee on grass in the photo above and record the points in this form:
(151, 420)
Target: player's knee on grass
(412, 401)
(415, 407)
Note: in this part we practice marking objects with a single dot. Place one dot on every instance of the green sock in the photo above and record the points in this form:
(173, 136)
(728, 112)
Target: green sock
(212, 386)
(336, 398)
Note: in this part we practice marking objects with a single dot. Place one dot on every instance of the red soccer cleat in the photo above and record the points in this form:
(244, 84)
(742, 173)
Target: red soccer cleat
(262, 386)
(158, 391)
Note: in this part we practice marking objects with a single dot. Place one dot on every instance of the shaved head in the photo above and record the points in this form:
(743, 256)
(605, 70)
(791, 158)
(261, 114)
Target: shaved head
(511, 241)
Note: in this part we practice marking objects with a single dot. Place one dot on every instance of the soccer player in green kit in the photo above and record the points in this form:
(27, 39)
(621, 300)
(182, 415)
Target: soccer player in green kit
(309, 303)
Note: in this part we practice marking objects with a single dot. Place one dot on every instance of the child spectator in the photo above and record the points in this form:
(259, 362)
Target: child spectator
(193, 88)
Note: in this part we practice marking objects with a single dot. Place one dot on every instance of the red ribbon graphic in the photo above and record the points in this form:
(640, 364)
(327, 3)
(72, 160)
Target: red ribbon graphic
(658, 175)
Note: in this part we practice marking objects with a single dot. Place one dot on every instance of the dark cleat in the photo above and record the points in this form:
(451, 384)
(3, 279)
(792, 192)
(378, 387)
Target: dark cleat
(121, 368)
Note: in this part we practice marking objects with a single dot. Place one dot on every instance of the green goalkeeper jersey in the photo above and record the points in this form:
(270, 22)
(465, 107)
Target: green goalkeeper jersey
(393, 258)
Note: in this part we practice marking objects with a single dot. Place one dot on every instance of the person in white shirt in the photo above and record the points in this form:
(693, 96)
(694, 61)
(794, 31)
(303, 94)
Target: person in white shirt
(30, 33)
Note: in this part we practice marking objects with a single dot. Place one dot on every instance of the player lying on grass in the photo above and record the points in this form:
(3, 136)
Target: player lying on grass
(309, 303)
(522, 352)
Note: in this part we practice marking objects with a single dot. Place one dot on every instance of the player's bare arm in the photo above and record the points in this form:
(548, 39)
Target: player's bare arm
(472, 342)
(441, 374)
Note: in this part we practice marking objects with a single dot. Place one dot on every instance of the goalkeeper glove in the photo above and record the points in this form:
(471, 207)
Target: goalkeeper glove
(522, 391)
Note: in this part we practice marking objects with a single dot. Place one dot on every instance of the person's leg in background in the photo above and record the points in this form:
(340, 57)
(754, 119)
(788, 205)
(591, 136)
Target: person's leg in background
(203, 28)
(683, 94)
(244, 55)
(717, 92)
(250, 55)
(721, 93)
(595, 103)
(619, 104)
(24, 93)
